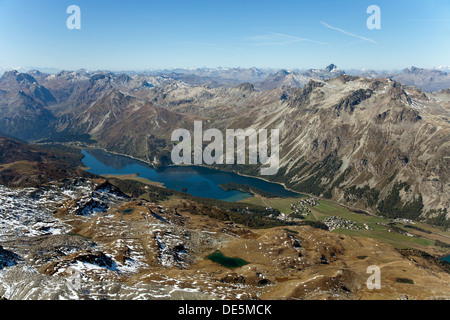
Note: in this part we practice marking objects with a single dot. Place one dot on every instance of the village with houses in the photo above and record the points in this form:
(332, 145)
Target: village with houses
(302, 206)
(300, 210)
(335, 222)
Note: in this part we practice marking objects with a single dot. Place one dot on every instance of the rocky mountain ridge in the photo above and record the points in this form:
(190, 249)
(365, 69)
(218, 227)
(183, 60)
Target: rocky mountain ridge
(373, 143)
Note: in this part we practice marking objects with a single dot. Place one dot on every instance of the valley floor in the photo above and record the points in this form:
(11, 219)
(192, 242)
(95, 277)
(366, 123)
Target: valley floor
(400, 233)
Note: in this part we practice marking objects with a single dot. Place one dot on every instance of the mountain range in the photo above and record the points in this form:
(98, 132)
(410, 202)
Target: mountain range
(374, 143)
(369, 153)
(429, 80)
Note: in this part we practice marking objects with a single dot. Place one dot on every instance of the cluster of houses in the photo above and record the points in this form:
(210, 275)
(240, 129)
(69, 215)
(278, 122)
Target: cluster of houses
(402, 220)
(334, 223)
(301, 207)
(285, 217)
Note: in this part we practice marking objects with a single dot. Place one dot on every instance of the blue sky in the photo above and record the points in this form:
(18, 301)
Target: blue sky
(139, 35)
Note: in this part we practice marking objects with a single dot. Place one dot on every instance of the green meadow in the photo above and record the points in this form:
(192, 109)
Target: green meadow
(379, 226)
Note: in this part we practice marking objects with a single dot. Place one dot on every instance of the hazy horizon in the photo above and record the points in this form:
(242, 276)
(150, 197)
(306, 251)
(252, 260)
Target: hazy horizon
(51, 70)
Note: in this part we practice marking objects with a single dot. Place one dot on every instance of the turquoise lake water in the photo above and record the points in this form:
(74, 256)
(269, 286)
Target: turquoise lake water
(198, 181)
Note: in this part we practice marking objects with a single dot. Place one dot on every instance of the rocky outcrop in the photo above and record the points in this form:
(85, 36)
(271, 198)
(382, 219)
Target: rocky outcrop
(7, 258)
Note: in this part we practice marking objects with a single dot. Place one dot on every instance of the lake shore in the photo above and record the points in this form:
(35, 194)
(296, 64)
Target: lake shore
(238, 173)
(135, 177)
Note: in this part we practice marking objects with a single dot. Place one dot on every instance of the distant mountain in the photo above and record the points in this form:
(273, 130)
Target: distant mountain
(425, 79)
(23, 103)
(14, 82)
(43, 70)
(443, 68)
(430, 80)
(282, 78)
(23, 117)
(367, 73)
(328, 72)
(234, 74)
(263, 79)
(114, 113)
(216, 77)
(297, 79)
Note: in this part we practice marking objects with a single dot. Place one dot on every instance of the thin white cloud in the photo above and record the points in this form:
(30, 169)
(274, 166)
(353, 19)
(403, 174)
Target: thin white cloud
(348, 33)
(281, 39)
(297, 39)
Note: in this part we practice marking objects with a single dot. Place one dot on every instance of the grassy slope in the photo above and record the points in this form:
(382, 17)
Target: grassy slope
(380, 232)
